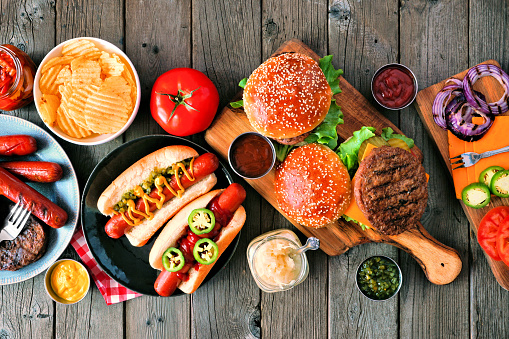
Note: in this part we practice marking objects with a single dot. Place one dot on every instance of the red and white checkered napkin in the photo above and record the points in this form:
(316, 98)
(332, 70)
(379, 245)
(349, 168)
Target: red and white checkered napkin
(112, 291)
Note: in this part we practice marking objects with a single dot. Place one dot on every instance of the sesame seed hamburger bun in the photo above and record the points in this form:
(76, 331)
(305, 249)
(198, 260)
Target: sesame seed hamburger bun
(287, 96)
(313, 186)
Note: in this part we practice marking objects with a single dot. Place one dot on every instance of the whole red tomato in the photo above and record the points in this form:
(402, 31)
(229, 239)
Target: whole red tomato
(184, 101)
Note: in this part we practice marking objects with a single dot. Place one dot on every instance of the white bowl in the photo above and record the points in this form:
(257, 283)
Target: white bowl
(94, 139)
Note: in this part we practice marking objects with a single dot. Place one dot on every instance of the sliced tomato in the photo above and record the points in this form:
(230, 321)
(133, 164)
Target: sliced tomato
(488, 230)
(503, 241)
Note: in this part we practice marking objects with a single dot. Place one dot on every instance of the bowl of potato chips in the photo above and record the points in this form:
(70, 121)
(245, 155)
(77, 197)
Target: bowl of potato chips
(87, 91)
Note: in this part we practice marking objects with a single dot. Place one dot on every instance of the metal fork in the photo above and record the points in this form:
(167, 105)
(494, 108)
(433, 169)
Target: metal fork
(471, 158)
(15, 222)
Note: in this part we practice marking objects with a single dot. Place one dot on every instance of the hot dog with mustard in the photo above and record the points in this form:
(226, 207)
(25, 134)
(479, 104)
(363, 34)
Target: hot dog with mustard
(152, 190)
(191, 242)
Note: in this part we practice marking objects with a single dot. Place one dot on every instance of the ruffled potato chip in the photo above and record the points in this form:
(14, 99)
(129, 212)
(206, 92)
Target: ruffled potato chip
(69, 127)
(48, 107)
(64, 60)
(77, 102)
(106, 112)
(48, 84)
(111, 65)
(86, 72)
(64, 76)
(83, 47)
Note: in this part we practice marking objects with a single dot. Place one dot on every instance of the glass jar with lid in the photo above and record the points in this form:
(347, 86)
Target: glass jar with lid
(17, 73)
(273, 262)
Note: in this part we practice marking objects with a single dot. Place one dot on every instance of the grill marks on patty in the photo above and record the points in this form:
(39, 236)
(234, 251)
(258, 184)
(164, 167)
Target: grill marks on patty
(391, 189)
(28, 247)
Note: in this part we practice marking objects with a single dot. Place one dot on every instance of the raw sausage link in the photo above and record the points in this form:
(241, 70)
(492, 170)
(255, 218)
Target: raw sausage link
(39, 171)
(40, 206)
(203, 165)
(17, 145)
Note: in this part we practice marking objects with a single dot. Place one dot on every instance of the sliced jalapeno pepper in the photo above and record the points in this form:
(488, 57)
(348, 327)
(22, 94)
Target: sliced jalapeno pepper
(205, 251)
(488, 174)
(476, 195)
(201, 221)
(173, 259)
(500, 184)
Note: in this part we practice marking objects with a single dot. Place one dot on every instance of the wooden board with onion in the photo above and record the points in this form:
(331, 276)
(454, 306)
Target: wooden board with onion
(424, 102)
(440, 263)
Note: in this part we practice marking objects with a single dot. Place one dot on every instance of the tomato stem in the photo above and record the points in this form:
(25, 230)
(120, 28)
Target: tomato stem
(180, 99)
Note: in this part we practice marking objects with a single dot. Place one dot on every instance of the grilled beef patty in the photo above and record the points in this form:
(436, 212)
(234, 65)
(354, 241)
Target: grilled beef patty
(28, 247)
(391, 189)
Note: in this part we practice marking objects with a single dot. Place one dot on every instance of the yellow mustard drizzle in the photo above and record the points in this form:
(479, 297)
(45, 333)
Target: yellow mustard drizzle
(159, 183)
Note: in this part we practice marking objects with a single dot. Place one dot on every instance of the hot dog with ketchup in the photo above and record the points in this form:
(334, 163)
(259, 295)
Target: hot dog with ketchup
(152, 190)
(191, 242)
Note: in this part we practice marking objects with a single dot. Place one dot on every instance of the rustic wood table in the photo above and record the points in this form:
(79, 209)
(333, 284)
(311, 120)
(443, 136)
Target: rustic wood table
(227, 40)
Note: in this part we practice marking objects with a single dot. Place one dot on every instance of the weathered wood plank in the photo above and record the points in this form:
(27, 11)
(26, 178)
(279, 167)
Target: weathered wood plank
(306, 303)
(102, 20)
(160, 43)
(30, 26)
(363, 36)
(226, 44)
(25, 308)
(488, 38)
(427, 310)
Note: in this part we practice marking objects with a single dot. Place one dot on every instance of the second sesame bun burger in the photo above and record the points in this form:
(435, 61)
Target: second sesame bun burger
(286, 97)
(313, 186)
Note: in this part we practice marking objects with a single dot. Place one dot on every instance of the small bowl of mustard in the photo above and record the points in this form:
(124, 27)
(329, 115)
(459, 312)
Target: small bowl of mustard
(67, 281)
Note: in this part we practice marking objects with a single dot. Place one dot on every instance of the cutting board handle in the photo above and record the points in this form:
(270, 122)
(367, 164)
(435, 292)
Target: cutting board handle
(440, 263)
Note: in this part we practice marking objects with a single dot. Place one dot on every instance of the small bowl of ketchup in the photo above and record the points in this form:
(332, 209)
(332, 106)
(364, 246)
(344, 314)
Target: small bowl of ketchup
(251, 155)
(394, 86)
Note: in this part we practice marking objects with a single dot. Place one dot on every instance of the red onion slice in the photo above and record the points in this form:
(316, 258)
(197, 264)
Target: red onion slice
(477, 72)
(441, 101)
(459, 115)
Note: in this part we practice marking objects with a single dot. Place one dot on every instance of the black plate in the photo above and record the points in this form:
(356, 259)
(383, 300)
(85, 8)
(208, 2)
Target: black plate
(126, 264)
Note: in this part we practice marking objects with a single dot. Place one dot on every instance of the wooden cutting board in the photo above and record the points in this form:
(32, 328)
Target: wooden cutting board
(424, 103)
(440, 263)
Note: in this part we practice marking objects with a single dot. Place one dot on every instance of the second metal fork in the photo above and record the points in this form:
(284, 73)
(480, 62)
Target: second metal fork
(15, 222)
(471, 158)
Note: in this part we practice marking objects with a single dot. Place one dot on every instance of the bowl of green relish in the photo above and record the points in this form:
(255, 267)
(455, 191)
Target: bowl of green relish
(379, 278)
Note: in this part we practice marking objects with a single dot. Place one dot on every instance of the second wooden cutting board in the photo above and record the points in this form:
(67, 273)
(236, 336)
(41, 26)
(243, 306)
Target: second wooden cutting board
(440, 263)
(424, 103)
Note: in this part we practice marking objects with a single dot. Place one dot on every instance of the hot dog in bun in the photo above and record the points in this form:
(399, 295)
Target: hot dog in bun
(152, 190)
(193, 240)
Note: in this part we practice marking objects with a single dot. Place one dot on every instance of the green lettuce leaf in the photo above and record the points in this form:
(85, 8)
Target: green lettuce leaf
(326, 132)
(282, 150)
(237, 104)
(388, 133)
(243, 83)
(347, 218)
(349, 150)
(240, 103)
(331, 74)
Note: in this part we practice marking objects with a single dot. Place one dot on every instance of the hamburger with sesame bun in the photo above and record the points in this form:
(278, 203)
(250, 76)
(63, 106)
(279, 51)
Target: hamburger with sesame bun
(288, 97)
(313, 186)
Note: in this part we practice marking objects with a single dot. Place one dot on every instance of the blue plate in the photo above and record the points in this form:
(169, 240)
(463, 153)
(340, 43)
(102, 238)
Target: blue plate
(65, 193)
